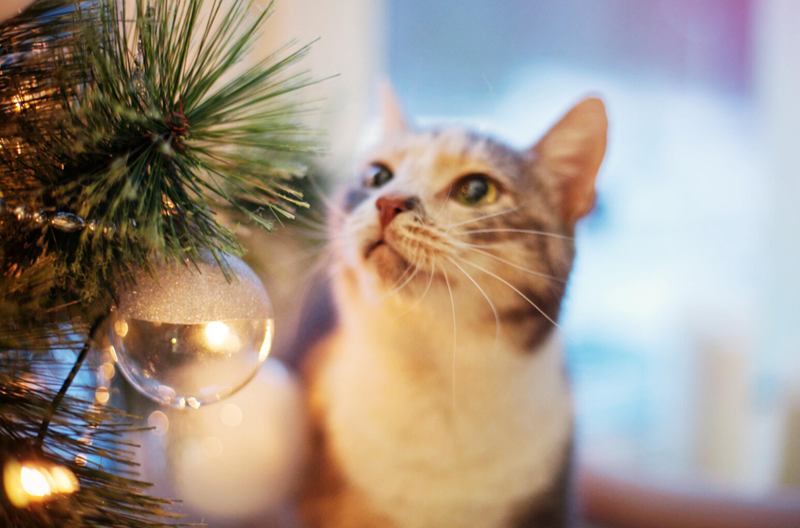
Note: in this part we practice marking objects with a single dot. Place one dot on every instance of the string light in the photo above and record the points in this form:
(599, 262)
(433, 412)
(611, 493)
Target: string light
(35, 481)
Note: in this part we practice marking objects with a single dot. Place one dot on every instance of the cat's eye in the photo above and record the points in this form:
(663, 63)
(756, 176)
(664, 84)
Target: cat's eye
(377, 175)
(476, 189)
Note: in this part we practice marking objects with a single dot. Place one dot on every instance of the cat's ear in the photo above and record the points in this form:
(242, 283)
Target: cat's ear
(573, 150)
(393, 122)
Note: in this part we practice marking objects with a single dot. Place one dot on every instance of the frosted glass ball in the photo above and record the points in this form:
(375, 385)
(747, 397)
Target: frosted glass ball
(188, 337)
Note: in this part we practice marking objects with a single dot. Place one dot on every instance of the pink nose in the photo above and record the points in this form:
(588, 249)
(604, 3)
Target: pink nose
(389, 207)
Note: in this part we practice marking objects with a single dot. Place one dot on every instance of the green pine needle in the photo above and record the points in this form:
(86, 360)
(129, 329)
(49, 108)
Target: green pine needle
(144, 125)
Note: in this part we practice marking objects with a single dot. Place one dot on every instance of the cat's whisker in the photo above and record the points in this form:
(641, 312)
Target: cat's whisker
(471, 220)
(491, 304)
(444, 203)
(331, 206)
(416, 270)
(508, 230)
(428, 287)
(513, 288)
(304, 234)
(453, 305)
(347, 231)
(316, 268)
(307, 255)
(526, 270)
(313, 224)
(393, 289)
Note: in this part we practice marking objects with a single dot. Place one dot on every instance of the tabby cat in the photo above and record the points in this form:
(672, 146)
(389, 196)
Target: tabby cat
(440, 399)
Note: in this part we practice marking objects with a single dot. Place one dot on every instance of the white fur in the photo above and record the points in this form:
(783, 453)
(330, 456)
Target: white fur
(429, 456)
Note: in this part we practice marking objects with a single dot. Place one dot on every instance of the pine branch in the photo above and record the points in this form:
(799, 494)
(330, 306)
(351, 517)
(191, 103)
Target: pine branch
(127, 121)
(122, 134)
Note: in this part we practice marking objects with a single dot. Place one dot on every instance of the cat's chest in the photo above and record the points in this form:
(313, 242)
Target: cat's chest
(432, 455)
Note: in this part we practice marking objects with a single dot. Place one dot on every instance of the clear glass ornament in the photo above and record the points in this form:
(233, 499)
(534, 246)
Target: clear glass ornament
(190, 337)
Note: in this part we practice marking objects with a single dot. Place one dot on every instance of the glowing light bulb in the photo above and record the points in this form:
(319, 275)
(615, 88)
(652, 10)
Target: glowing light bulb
(216, 332)
(34, 482)
(64, 480)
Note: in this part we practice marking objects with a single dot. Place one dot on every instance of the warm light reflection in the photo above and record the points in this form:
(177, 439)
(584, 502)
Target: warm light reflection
(216, 332)
(65, 480)
(34, 482)
(159, 422)
(267, 346)
(106, 372)
(101, 395)
(121, 328)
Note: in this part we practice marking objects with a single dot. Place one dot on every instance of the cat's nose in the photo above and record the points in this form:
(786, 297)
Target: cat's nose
(392, 205)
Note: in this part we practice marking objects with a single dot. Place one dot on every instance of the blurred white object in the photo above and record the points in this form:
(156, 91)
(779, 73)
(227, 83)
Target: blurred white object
(238, 460)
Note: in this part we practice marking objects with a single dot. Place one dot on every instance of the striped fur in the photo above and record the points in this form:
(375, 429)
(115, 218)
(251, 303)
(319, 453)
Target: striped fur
(440, 399)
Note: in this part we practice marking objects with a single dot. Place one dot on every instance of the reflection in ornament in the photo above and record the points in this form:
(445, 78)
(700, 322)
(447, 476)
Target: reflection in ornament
(216, 332)
(190, 337)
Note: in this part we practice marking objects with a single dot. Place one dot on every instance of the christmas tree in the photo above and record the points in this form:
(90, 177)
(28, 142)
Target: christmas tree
(125, 140)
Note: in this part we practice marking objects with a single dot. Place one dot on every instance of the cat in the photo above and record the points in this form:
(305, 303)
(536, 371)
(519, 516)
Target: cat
(440, 398)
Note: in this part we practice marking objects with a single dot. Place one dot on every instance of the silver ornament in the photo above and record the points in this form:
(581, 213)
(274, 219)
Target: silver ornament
(67, 222)
(188, 336)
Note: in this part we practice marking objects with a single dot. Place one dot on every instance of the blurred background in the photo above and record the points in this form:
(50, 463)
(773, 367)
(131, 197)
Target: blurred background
(682, 321)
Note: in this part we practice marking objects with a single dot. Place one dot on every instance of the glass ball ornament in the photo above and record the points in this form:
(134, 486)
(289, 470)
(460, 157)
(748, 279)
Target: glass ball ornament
(188, 336)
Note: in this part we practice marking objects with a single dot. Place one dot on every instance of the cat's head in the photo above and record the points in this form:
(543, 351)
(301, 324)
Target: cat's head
(441, 212)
